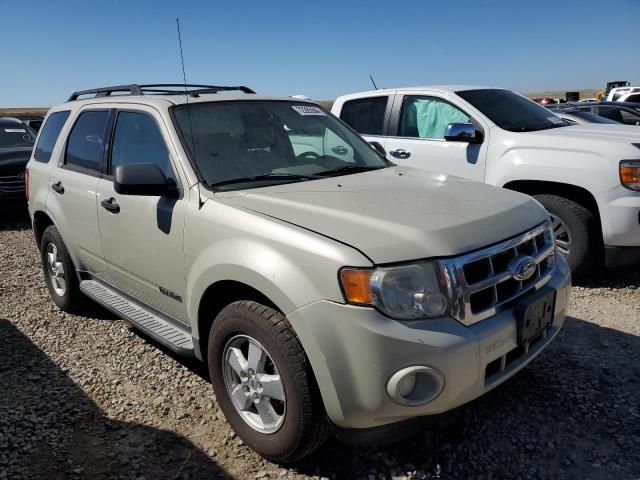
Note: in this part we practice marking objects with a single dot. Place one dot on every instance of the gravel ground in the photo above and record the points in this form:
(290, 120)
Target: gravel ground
(88, 397)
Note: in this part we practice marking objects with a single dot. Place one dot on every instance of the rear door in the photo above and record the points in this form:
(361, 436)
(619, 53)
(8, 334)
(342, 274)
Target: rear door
(416, 136)
(143, 239)
(74, 183)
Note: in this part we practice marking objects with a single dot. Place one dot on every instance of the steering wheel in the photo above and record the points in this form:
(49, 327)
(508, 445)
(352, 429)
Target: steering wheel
(310, 155)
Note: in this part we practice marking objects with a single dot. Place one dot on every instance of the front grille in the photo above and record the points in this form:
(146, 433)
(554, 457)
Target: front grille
(483, 283)
(12, 179)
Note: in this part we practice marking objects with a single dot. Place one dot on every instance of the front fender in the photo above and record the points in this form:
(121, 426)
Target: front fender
(580, 168)
(288, 264)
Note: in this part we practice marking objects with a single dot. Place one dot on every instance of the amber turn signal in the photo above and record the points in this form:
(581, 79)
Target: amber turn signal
(355, 284)
(630, 175)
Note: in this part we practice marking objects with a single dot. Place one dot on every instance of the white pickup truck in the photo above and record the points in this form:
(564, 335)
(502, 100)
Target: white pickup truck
(587, 176)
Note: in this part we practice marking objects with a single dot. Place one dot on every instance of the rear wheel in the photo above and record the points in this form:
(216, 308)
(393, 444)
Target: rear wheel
(264, 383)
(576, 232)
(59, 272)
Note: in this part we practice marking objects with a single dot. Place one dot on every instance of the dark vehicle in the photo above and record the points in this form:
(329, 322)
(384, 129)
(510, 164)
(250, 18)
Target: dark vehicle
(16, 143)
(573, 116)
(34, 121)
(622, 112)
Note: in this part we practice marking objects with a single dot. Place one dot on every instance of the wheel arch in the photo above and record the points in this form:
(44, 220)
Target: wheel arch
(575, 193)
(40, 223)
(217, 296)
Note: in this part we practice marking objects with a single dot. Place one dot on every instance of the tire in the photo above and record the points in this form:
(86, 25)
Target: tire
(585, 244)
(70, 299)
(304, 426)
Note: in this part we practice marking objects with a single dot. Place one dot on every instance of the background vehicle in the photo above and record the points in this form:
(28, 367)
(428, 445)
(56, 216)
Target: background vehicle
(251, 232)
(624, 94)
(574, 116)
(583, 175)
(621, 112)
(34, 121)
(16, 143)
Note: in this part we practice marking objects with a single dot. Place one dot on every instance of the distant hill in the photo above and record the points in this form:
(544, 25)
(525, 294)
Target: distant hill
(10, 112)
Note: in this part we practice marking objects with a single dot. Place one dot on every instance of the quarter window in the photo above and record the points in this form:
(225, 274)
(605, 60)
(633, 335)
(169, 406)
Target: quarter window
(49, 136)
(428, 117)
(366, 115)
(85, 148)
(137, 139)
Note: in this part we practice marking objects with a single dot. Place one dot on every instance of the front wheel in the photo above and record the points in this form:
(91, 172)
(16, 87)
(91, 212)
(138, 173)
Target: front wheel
(576, 232)
(264, 383)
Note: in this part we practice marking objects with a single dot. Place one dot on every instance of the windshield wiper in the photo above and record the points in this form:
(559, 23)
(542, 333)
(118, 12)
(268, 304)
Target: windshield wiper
(265, 176)
(349, 169)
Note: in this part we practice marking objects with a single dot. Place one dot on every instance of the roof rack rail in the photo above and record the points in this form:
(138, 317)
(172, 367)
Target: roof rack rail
(158, 89)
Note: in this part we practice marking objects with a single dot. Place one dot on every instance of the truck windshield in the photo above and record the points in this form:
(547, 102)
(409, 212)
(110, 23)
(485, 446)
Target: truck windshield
(256, 143)
(15, 134)
(511, 111)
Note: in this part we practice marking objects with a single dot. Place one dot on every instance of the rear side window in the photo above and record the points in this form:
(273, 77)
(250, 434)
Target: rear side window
(365, 115)
(633, 98)
(49, 136)
(137, 139)
(85, 148)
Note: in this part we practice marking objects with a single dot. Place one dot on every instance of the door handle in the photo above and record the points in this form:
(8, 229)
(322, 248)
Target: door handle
(400, 153)
(110, 205)
(58, 188)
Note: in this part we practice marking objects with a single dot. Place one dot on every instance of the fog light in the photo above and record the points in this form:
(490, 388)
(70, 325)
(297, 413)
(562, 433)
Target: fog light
(407, 384)
(415, 385)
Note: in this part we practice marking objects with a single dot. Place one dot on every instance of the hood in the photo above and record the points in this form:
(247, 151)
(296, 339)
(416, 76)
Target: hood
(10, 157)
(398, 213)
(623, 134)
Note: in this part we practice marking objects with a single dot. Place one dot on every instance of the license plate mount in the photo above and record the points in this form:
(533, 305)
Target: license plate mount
(534, 314)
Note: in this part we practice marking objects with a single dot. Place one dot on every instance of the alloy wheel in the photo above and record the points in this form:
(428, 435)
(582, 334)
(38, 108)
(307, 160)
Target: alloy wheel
(253, 384)
(562, 234)
(56, 270)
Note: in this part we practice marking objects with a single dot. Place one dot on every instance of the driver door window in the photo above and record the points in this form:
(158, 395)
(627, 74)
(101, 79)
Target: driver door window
(428, 117)
(137, 139)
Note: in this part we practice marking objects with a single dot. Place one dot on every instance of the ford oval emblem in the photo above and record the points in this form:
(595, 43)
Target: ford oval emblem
(522, 268)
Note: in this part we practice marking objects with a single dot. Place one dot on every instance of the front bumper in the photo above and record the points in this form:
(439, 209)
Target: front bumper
(620, 216)
(355, 350)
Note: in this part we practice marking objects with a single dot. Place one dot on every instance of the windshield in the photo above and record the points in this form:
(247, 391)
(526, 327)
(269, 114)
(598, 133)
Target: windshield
(511, 111)
(256, 143)
(15, 134)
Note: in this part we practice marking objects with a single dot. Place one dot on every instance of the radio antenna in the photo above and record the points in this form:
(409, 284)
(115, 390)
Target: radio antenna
(374, 83)
(186, 93)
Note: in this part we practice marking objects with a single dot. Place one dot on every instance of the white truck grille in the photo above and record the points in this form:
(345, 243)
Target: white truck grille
(484, 282)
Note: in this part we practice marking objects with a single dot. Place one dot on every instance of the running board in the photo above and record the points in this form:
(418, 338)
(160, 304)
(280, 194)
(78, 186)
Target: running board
(150, 323)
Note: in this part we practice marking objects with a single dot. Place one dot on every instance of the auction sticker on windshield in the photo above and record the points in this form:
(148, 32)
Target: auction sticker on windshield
(556, 120)
(308, 110)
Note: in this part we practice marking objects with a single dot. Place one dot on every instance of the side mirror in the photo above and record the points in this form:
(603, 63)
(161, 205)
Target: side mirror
(462, 132)
(378, 148)
(144, 179)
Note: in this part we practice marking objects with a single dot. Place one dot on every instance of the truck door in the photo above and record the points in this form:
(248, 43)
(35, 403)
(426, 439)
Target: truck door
(416, 137)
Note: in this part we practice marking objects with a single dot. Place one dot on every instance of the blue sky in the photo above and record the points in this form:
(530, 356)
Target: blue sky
(320, 48)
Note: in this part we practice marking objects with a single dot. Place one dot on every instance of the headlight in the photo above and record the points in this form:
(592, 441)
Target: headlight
(630, 174)
(404, 293)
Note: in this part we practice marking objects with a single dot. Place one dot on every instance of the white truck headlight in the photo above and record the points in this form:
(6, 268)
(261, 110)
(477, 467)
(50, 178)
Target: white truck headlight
(404, 292)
